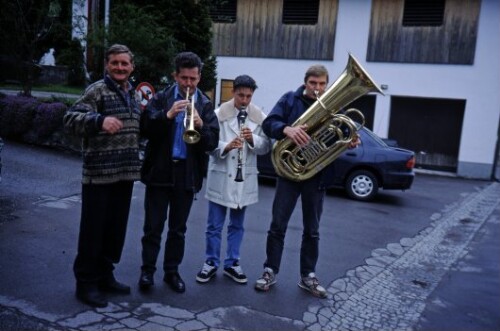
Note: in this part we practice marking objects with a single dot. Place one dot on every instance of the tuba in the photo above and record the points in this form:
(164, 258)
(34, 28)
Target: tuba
(330, 133)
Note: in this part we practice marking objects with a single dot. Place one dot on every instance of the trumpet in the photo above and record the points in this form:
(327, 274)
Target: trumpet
(190, 135)
(242, 115)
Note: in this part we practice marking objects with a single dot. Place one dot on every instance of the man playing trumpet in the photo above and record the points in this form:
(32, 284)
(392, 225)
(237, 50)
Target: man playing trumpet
(232, 181)
(173, 167)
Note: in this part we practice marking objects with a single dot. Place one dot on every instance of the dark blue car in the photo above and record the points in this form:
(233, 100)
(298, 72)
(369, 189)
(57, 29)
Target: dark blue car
(362, 171)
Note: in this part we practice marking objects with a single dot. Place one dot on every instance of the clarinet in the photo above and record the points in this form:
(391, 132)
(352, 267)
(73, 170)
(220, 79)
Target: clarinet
(242, 115)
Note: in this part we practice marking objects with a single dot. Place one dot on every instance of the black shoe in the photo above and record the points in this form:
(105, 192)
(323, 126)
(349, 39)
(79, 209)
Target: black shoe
(146, 280)
(90, 294)
(175, 282)
(111, 285)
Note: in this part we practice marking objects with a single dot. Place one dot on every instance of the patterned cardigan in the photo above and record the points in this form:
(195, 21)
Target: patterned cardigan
(106, 158)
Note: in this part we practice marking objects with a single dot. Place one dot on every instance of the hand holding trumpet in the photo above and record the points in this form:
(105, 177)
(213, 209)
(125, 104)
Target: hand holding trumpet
(181, 106)
(178, 107)
(198, 122)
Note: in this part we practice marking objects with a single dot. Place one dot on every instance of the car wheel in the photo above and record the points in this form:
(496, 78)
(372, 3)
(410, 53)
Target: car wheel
(362, 185)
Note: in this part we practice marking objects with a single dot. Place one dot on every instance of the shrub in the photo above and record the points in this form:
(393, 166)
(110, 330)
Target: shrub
(30, 120)
(48, 118)
(16, 115)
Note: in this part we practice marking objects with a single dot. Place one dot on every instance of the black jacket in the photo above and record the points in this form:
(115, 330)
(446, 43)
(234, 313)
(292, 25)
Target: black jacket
(157, 169)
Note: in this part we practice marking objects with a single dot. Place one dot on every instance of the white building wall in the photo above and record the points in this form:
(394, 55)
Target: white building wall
(481, 85)
(478, 84)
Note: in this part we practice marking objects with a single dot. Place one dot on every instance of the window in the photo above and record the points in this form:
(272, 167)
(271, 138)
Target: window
(300, 12)
(423, 12)
(226, 90)
(223, 11)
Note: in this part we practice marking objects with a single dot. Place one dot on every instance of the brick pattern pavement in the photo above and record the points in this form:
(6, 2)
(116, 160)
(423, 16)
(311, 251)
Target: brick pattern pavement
(390, 290)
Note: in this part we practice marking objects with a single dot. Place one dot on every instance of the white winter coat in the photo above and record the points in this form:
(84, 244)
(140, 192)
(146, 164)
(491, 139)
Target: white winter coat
(221, 187)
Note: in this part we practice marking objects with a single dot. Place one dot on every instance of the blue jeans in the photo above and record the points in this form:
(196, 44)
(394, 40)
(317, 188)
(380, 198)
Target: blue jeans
(235, 230)
(285, 200)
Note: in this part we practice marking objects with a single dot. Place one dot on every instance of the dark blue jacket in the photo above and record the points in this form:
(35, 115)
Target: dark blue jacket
(157, 169)
(286, 111)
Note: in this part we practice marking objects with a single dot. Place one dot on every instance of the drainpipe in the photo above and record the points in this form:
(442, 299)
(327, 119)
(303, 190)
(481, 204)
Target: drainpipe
(495, 174)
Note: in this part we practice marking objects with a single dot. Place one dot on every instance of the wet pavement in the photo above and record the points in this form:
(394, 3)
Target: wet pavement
(443, 276)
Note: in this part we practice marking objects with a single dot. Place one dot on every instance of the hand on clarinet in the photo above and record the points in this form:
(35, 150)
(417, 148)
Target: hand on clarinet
(236, 143)
(246, 134)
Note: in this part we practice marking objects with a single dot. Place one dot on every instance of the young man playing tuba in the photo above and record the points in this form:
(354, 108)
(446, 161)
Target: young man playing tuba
(278, 125)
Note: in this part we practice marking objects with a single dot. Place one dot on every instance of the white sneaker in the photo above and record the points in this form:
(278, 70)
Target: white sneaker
(265, 282)
(311, 284)
(207, 272)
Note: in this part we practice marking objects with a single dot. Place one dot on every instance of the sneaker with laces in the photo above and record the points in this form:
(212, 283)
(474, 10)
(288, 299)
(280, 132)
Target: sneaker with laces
(311, 284)
(207, 272)
(236, 273)
(265, 282)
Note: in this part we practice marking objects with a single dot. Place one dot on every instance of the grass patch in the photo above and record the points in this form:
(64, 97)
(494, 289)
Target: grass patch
(47, 88)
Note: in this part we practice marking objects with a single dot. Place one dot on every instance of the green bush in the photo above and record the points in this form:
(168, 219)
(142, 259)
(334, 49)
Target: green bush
(72, 56)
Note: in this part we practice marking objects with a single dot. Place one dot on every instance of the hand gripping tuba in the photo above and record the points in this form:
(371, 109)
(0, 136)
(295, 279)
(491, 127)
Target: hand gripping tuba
(330, 133)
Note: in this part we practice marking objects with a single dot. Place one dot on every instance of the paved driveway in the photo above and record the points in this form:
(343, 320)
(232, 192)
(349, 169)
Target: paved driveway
(398, 263)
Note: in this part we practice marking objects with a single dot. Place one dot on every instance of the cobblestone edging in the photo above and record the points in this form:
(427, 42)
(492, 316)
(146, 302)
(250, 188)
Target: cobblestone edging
(389, 291)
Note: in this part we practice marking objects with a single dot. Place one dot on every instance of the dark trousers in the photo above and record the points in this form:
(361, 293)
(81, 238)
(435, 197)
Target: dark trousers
(103, 224)
(156, 204)
(285, 200)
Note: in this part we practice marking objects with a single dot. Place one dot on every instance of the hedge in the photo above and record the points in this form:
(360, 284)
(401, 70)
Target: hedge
(35, 121)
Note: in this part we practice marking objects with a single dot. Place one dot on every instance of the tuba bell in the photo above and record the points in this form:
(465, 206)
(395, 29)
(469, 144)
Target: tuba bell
(330, 133)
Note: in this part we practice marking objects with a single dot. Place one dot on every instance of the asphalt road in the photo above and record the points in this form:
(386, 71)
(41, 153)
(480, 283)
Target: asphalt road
(39, 218)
